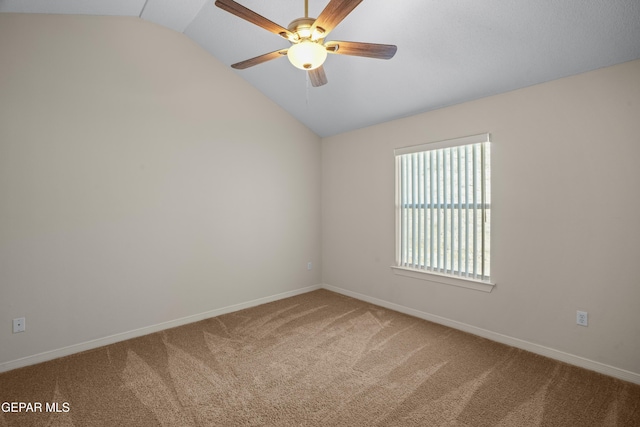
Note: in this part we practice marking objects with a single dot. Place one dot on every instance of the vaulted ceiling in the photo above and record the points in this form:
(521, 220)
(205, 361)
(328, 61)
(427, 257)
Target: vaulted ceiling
(449, 51)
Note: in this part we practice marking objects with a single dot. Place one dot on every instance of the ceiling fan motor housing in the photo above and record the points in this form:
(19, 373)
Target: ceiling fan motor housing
(302, 28)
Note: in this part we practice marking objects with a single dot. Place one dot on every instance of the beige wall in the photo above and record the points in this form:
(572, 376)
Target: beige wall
(141, 181)
(566, 214)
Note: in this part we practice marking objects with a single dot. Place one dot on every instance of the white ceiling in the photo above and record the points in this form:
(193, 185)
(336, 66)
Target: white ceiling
(449, 51)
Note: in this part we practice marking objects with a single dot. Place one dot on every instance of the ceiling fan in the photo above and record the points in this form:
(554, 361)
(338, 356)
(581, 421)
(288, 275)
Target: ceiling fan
(308, 49)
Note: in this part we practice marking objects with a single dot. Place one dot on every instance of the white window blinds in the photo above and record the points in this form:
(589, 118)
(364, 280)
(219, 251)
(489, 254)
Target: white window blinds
(443, 207)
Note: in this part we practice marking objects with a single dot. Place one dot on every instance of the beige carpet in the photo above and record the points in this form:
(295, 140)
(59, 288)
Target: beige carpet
(318, 359)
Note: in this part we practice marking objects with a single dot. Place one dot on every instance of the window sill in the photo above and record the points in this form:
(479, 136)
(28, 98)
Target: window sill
(462, 282)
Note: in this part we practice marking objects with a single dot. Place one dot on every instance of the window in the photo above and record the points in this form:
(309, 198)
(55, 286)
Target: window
(443, 209)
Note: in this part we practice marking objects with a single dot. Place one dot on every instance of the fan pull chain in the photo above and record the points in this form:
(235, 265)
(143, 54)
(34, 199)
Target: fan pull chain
(307, 96)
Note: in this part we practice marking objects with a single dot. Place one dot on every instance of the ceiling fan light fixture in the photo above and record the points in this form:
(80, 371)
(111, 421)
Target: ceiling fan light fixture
(304, 32)
(307, 55)
(318, 33)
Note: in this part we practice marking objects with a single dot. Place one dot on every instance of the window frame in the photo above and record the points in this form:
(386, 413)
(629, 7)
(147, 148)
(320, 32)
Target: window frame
(420, 273)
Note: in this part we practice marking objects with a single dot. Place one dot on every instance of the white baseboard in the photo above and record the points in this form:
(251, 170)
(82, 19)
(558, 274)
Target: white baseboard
(494, 336)
(89, 345)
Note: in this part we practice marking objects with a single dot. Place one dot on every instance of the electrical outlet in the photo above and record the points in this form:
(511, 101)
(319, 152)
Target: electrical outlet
(19, 325)
(582, 318)
(309, 265)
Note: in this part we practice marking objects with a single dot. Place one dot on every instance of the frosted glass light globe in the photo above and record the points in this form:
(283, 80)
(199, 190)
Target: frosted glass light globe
(307, 55)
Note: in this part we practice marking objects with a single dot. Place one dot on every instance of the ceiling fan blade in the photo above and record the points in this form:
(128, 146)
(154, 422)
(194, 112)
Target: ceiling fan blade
(259, 20)
(318, 77)
(332, 15)
(370, 50)
(259, 59)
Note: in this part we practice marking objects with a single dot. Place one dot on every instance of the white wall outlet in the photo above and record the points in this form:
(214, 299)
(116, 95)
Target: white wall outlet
(582, 318)
(19, 325)
(309, 265)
